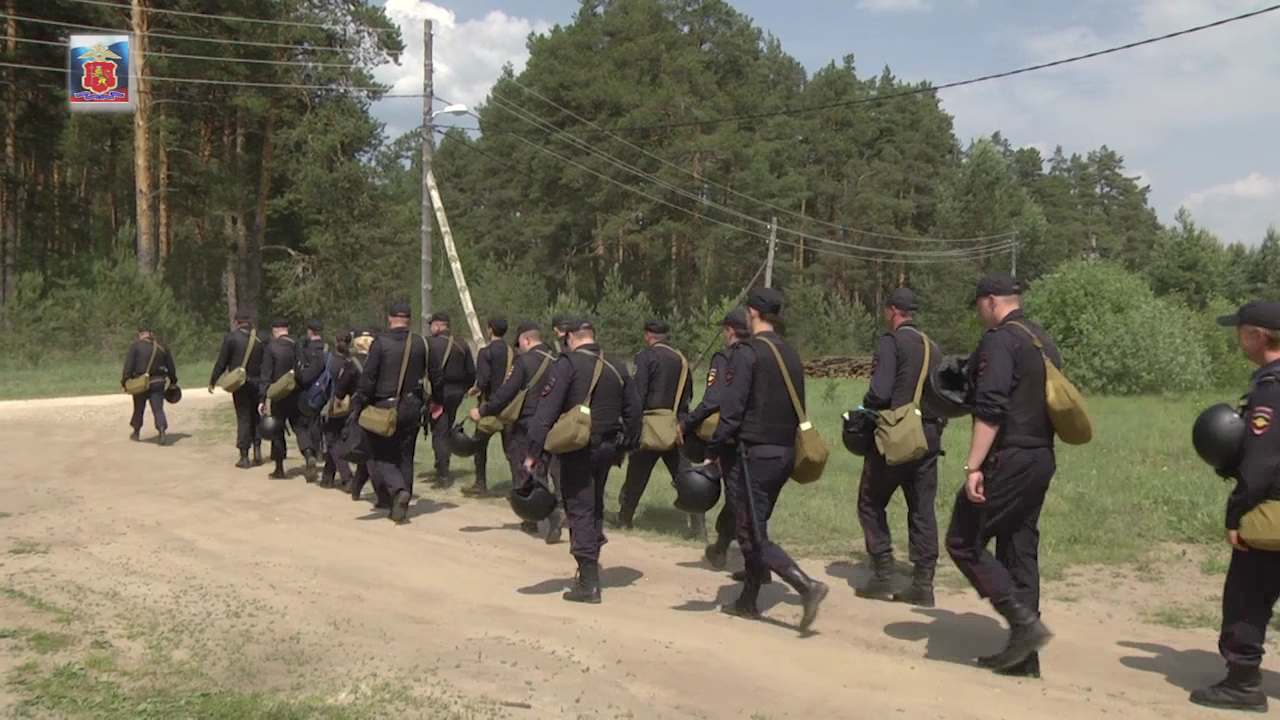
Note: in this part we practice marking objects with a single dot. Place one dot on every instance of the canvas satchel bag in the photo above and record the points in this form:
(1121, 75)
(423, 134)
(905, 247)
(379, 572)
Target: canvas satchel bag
(811, 449)
(572, 431)
(492, 424)
(380, 420)
(900, 434)
(140, 384)
(661, 426)
(511, 412)
(1067, 411)
(235, 378)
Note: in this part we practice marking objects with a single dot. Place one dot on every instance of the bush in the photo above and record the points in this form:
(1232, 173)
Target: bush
(818, 323)
(1116, 337)
(620, 316)
(1229, 369)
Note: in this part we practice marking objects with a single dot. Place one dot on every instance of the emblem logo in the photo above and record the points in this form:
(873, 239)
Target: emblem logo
(98, 73)
(711, 377)
(1260, 420)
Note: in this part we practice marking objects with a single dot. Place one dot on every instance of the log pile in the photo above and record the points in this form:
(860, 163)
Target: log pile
(843, 368)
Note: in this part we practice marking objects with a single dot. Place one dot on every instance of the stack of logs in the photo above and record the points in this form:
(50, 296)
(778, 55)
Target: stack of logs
(843, 368)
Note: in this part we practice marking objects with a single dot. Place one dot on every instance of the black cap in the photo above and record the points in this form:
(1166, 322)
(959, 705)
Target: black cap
(243, 317)
(1001, 284)
(280, 323)
(1259, 313)
(903, 299)
(562, 321)
(736, 320)
(576, 326)
(315, 326)
(346, 335)
(144, 327)
(498, 325)
(400, 310)
(525, 327)
(441, 316)
(767, 301)
(657, 327)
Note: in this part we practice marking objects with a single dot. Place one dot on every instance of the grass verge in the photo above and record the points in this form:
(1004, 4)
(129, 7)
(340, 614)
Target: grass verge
(73, 379)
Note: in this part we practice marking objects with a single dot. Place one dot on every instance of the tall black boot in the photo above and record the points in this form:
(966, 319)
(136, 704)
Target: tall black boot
(586, 586)
(921, 590)
(278, 474)
(310, 470)
(697, 527)
(746, 605)
(812, 593)
(1029, 668)
(1240, 690)
(1027, 635)
(481, 486)
(257, 455)
(243, 462)
(880, 586)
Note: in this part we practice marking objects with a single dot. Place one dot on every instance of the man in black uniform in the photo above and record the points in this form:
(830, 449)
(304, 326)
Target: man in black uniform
(493, 362)
(897, 369)
(1010, 463)
(735, 332)
(243, 348)
(754, 443)
(1253, 578)
(560, 324)
(148, 357)
(347, 384)
(391, 464)
(529, 372)
(452, 371)
(615, 426)
(343, 371)
(277, 361)
(311, 362)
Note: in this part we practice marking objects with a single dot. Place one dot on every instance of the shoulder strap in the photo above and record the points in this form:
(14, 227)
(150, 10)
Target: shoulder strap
(1034, 340)
(510, 358)
(404, 366)
(448, 350)
(155, 349)
(426, 360)
(355, 360)
(684, 372)
(542, 368)
(248, 350)
(786, 376)
(595, 375)
(924, 369)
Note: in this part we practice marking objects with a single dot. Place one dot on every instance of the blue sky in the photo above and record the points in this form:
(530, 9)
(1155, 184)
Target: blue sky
(1192, 116)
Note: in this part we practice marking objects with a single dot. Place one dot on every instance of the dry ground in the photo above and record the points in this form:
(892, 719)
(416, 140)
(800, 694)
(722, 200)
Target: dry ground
(166, 567)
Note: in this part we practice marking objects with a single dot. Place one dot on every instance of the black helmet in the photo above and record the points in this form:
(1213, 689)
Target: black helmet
(532, 500)
(695, 448)
(697, 488)
(859, 432)
(172, 394)
(947, 390)
(1218, 436)
(460, 443)
(270, 426)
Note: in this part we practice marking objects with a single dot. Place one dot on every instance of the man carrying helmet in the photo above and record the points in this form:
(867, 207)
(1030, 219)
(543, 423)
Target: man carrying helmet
(1253, 578)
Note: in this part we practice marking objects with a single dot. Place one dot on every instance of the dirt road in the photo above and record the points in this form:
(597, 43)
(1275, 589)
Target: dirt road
(317, 588)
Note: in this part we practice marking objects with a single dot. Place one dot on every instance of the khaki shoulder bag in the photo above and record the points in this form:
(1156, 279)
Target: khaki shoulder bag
(1067, 411)
(140, 384)
(381, 421)
(572, 430)
(811, 449)
(1260, 527)
(285, 385)
(511, 412)
(235, 378)
(900, 434)
(707, 427)
(661, 426)
(339, 409)
(492, 424)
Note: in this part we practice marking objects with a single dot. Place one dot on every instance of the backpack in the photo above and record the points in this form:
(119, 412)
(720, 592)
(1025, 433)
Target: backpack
(1067, 412)
(319, 392)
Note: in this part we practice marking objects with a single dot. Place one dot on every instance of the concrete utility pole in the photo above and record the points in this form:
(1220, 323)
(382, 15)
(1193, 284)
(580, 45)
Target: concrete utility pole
(464, 292)
(143, 189)
(1013, 269)
(427, 132)
(773, 242)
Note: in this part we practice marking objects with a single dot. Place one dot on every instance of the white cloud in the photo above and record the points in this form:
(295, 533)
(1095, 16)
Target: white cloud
(468, 56)
(1241, 209)
(893, 5)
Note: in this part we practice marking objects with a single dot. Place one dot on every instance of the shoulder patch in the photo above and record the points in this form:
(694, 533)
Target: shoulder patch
(982, 363)
(546, 389)
(711, 377)
(1260, 419)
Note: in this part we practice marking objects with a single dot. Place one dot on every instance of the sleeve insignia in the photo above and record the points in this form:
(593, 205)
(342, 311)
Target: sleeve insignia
(1260, 420)
(711, 377)
(546, 389)
(982, 364)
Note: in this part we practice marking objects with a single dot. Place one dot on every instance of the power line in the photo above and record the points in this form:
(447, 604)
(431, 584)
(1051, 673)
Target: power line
(261, 21)
(166, 36)
(731, 191)
(210, 58)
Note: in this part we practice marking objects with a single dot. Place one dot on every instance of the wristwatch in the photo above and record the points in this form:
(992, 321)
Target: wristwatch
(968, 470)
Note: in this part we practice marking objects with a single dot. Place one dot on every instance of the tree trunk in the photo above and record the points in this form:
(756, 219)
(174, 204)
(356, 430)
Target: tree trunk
(229, 229)
(8, 189)
(113, 208)
(162, 228)
(241, 227)
(142, 181)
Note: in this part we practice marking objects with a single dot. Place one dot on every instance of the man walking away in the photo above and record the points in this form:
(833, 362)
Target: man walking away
(493, 364)
(241, 354)
(147, 366)
(452, 371)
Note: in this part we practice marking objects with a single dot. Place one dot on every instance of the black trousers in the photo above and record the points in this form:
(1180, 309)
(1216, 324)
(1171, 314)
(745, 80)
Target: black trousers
(306, 428)
(919, 483)
(245, 401)
(391, 460)
(582, 481)
(155, 397)
(1015, 483)
(330, 431)
(517, 447)
(754, 479)
(639, 469)
(361, 477)
(726, 523)
(1250, 593)
(442, 426)
(482, 455)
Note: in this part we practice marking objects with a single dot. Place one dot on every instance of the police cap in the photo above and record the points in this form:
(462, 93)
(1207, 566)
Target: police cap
(903, 299)
(999, 284)
(525, 327)
(657, 327)
(315, 326)
(400, 310)
(562, 321)
(144, 327)
(280, 322)
(441, 316)
(767, 301)
(736, 320)
(1259, 313)
(577, 326)
(498, 325)
(243, 317)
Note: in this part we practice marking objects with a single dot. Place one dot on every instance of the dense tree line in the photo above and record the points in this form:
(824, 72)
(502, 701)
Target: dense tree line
(630, 169)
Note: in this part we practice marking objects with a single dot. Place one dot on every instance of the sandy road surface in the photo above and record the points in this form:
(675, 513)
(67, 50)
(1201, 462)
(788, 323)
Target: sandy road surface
(461, 592)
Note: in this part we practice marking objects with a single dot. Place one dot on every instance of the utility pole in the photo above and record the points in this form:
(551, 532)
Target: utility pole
(773, 242)
(455, 263)
(143, 190)
(427, 132)
(1013, 270)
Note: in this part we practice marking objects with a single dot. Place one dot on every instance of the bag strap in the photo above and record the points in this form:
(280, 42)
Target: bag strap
(924, 369)
(248, 350)
(786, 376)
(595, 375)
(542, 368)
(510, 357)
(684, 372)
(155, 349)
(448, 350)
(1034, 340)
(404, 366)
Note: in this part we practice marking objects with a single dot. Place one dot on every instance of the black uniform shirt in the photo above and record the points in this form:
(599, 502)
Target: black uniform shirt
(614, 404)
(451, 375)
(277, 361)
(896, 368)
(135, 363)
(658, 376)
(522, 371)
(232, 354)
(1008, 379)
(711, 397)
(491, 367)
(1259, 471)
(756, 407)
(310, 361)
(381, 377)
(347, 379)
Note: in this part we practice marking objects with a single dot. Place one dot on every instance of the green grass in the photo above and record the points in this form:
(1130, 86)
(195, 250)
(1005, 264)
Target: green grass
(72, 379)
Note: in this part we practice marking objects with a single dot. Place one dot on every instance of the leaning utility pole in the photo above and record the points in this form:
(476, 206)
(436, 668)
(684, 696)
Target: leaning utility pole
(143, 194)
(427, 132)
(773, 242)
(455, 263)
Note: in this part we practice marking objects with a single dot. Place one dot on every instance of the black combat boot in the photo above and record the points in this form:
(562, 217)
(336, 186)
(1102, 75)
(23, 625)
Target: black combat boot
(1240, 690)
(309, 467)
(257, 455)
(624, 520)
(278, 473)
(741, 576)
(135, 436)
(1027, 635)
(697, 527)
(717, 554)
(920, 592)
(400, 507)
(812, 593)
(243, 462)
(481, 486)
(555, 524)
(880, 586)
(586, 586)
(1029, 668)
(746, 605)
(163, 438)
